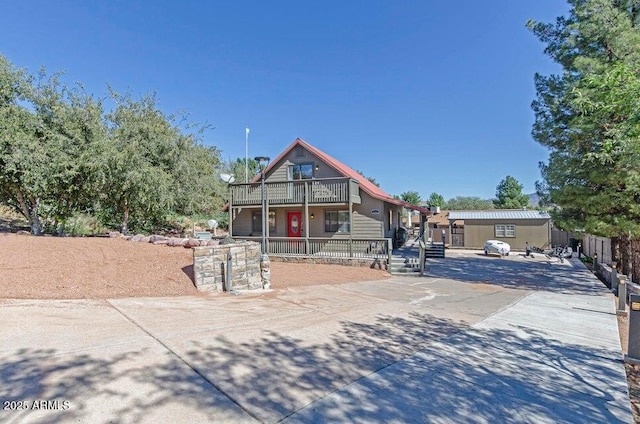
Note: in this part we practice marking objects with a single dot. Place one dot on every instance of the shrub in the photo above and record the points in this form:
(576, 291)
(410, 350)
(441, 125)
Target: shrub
(83, 225)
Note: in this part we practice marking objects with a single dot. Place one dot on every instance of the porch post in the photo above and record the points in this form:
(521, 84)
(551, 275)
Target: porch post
(266, 224)
(306, 217)
(230, 213)
(350, 222)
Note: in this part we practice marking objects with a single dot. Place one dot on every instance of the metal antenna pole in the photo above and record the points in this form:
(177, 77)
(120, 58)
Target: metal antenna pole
(246, 155)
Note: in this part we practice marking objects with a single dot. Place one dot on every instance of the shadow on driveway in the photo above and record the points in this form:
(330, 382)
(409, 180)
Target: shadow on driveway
(460, 375)
(571, 277)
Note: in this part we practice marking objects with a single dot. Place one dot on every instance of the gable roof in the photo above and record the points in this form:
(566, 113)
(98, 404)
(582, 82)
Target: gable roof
(500, 214)
(441, 218)
(366, 185)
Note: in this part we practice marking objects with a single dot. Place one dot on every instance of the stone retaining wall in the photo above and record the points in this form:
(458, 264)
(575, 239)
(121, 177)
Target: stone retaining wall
(210, 267)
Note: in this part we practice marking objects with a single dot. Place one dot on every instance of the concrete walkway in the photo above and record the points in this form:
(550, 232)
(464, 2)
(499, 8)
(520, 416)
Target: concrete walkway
(478, 340)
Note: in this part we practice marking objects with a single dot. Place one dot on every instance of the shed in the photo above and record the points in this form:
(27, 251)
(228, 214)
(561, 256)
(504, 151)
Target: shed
(513, 226)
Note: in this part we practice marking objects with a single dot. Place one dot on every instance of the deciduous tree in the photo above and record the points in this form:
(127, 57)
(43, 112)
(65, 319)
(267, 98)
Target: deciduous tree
(468, 203)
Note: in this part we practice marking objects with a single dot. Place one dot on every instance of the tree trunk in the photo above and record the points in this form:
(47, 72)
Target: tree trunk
(635, 260)
(615, 250)
(125, 219)
(34, 220)
(24, 209)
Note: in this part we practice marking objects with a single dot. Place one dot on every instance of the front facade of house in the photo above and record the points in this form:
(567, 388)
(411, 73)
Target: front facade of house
(316, 206)
(516, 227)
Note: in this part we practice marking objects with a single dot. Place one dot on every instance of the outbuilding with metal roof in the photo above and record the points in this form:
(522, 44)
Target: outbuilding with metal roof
(514, 226)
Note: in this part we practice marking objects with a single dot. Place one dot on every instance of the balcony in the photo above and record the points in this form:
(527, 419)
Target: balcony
(312, 192)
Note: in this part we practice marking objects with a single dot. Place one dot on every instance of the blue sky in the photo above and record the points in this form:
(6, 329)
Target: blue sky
(420, 95)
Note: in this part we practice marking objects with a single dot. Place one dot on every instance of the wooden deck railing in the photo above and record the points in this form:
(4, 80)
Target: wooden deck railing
(320, 191)
(326, 247)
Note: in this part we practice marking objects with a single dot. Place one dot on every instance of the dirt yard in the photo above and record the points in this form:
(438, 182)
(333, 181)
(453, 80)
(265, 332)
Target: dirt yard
(100, 268)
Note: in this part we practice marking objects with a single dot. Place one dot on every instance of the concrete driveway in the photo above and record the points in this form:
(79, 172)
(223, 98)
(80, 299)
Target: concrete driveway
(479, 339)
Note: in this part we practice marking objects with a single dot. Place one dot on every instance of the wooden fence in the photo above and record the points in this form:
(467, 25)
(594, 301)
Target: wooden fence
(560, 237)
(601, 245)
(625, 251)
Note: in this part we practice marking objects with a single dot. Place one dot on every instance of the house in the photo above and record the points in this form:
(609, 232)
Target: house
(470, 229)
(316, 206)
(439, 222)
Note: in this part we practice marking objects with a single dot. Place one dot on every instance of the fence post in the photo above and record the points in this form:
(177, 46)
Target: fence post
(622, 296)
(633, 348)
(613, 280)
(595, 263)
(422, 256)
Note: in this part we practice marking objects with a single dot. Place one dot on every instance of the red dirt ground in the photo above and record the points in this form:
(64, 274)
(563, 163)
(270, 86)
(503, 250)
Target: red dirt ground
(99, 268)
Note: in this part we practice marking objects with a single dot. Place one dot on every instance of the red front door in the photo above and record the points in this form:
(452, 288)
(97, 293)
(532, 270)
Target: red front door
(294, 224)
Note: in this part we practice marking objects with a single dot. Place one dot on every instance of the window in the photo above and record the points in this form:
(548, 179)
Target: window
(505, 230)
(301, 171)
(256, 226)
(336, 221)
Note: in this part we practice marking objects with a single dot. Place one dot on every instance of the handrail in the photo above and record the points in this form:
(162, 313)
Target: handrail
(320, 191)
(374, 248)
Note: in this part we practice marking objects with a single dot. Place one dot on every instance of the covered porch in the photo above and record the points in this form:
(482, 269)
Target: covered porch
(314, 218)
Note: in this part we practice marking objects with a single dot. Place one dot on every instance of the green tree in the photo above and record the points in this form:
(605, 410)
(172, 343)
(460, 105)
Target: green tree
(138, 178)
(436, 199)
(48, 133)
(21, 180)
(73, 131)
(587, 117)
(411, 197)
(237, 169)
(509, 195)
(371, 179)
(197, 188)
(60, 155)
(468, 203)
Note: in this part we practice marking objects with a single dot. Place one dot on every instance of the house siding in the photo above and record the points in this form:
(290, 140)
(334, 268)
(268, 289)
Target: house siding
(280, 171)
(365, 223)
(534, 231)
(242, 223)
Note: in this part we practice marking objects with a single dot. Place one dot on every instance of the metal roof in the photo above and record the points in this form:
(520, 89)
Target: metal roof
(345, 170)
(499, 214)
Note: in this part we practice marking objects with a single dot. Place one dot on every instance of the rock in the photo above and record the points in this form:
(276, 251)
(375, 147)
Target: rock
(191, 243)
(114, 234)
(23, 233)
(212, 242)
(157, 242)
(156, 237)
(137, 237)
(227, 240)
(145, 239)
(174, 241)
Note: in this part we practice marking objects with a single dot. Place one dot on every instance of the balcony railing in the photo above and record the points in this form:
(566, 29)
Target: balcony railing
(316, 191)
(326, 247)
